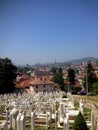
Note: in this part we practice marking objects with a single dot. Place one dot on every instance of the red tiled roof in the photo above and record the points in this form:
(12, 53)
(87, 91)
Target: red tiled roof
(41, 82)
(77, 84)
(37, 81)
(23, 84)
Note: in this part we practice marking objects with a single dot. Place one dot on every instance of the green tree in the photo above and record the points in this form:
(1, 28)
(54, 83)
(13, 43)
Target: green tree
(95, 87)
(91, 77)
(7, 75)
(58, 78)
(80, 123)
(24, 69)
(71, 75)
(97, 63)
(53, 70)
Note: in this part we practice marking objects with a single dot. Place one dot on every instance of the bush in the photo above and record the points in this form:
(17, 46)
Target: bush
(80, 123)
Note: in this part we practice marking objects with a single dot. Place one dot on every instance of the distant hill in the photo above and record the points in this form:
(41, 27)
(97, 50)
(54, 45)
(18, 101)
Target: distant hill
(76, 61)
(79, 61)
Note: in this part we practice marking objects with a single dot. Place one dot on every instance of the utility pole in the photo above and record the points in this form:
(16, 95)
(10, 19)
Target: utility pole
(68, 84)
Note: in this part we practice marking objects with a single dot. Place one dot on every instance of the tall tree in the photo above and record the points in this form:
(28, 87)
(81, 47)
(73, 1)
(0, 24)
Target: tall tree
(80, 123)
(91, 77)
(97, 63)
(7, 75)
(58, 78)
(71, 76)
(95, 87)
(53, 70)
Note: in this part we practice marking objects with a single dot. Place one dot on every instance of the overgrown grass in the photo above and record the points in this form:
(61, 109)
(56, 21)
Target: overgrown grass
(94, 98)
(76, 104)
(87, 114)
(91, 98)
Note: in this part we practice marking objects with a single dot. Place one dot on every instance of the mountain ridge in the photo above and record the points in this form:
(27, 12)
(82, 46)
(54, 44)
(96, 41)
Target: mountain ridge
(81, 60)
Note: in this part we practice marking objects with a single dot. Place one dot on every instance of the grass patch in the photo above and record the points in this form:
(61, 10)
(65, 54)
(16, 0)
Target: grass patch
(91, 98)
(76, 104)
(94, 98)
(87, 114)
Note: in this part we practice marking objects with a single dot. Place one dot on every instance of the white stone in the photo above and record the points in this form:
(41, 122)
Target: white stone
(97, 122)
(81, 105)
(32, 121)
(92, 121)
(4, 126)
(18, 121)
(47, 123)
(22, 123)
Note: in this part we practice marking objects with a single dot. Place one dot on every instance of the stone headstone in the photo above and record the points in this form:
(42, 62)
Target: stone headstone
(32, 121)
(4, 126)
(97, 122)
(22, 123)
(92, 121)
(55, 121)
(7, 114)
(13, 116)
(18, 121)
(81, 105)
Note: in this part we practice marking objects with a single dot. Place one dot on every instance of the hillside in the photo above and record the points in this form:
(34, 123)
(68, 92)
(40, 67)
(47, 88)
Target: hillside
(78, 61)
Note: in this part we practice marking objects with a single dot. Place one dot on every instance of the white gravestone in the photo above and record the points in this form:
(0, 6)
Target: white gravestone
(32, 121)
(7, 114)
(22, 123)
(97, 122)
(4, 126)
(81, 106)
(55, 121)
(18, 121)
(47, 121)
(61, 109)
(66, 122)
(13, 116)
(92, 121)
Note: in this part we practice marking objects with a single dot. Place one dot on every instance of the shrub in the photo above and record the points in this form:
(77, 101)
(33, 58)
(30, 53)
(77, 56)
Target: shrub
(80, 123)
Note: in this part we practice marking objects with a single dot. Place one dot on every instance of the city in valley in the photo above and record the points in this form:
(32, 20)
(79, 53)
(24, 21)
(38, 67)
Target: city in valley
(57, 96)
(48, 64)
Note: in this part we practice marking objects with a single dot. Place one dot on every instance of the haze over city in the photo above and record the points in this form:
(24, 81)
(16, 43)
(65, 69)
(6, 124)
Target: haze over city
(43, 31)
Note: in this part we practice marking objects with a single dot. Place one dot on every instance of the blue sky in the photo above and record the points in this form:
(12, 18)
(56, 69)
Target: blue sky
(43, 31)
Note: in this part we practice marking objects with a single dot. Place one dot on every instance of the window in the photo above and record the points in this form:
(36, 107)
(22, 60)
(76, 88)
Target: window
(36, 86)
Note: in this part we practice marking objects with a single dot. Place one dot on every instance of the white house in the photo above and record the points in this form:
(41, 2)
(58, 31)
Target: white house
(40, 85)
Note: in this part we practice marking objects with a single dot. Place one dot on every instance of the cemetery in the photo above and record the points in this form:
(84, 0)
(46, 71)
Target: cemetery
(44, 111)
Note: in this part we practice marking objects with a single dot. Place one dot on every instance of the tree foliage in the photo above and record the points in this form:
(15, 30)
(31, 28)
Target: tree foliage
(71, 75)
(80, 123)
(97, 63)
(24, 69)
(90, 73)
(95, 87)
(53, 70)
(7, 75)
(57, 78)
(91, 77)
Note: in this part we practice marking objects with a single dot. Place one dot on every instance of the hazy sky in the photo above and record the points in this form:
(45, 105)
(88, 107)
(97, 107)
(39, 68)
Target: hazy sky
(33, 31)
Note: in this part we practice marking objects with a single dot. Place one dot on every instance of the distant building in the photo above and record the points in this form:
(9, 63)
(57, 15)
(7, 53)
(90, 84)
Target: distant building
(40, 85)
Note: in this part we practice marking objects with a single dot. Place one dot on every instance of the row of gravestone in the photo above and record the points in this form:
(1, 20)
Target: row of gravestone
(27, 99)
(19, 122)
(38, 103)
